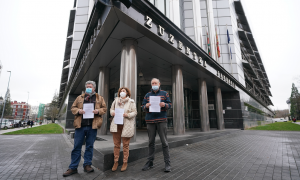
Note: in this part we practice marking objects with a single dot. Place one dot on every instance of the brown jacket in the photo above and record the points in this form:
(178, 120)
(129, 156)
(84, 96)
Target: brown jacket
(99, 105)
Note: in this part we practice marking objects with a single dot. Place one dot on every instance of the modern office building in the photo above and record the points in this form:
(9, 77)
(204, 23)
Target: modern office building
(203, 52)
(21, 110)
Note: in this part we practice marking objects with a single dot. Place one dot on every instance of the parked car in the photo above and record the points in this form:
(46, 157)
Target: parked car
(16, 123)
(279, 120)
(6, 125)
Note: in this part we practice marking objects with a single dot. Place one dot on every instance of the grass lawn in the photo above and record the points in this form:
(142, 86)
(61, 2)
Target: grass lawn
(44, 129)
(278, 126)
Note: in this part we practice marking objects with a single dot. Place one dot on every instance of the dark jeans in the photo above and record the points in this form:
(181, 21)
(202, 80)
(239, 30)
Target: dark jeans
(161, 129)
(90, 135)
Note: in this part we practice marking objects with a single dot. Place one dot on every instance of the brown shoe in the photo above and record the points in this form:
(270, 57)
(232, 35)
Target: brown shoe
(115, 167)
(124, 167)
(88, 168)
(69, 172)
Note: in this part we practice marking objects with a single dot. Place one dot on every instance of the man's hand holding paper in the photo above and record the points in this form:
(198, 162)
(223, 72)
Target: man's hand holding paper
(155, 104)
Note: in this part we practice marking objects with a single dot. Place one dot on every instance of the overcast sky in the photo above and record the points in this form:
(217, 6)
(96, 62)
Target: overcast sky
(33, 35)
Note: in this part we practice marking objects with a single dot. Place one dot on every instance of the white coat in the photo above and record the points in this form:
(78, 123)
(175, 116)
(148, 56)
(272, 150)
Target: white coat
(129, 122)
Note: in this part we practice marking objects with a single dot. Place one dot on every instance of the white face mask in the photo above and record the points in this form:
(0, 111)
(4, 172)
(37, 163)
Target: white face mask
(122, 94)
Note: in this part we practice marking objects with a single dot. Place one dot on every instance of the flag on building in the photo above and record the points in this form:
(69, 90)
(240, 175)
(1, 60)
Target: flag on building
(208, 43)
(217, 39)
(229, 48)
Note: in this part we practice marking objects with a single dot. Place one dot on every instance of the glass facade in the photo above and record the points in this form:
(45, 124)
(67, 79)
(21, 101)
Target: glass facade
(234, 114)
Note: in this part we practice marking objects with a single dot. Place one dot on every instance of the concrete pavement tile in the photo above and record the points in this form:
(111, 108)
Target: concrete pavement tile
(258, 178)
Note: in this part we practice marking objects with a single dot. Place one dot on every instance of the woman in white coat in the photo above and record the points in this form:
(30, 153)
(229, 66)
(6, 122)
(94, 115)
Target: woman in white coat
(123, 131)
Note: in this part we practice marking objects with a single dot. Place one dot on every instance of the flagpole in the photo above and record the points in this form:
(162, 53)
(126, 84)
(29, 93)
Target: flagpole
(206, 39)
(230, 56)
(216, 53)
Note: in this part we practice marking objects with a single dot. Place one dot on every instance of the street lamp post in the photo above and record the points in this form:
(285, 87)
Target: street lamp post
(5, 99)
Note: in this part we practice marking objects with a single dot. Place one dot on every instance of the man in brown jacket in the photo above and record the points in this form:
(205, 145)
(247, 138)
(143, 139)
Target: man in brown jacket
(86, 127)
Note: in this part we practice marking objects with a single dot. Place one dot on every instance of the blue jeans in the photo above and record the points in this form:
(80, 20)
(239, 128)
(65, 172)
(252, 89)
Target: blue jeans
(90, 135)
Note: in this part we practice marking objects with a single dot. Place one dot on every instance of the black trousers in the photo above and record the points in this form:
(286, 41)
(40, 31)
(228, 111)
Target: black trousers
(161, 129)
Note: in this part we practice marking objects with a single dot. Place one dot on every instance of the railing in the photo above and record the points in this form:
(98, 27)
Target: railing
(245, 54)
(248, 87)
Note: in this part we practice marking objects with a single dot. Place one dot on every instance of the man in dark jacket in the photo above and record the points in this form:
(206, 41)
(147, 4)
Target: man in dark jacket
(157, 121)
(28, 123)
(31, 123)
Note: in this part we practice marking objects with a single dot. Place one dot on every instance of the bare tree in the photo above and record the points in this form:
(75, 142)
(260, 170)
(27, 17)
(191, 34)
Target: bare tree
(282, 113)
(52, 111)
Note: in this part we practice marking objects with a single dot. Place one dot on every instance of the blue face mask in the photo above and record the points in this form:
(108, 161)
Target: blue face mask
(88, 90)
(155, 88)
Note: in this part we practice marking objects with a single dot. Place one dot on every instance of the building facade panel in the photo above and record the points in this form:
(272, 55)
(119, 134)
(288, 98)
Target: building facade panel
(82, 11)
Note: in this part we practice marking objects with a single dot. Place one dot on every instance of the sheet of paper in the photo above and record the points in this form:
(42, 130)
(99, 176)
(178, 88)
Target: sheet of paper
(154, 101)
(118, 119)
(88, 109)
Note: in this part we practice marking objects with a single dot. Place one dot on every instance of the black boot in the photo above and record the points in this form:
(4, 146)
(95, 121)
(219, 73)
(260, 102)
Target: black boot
(148, 165)
(167, 167)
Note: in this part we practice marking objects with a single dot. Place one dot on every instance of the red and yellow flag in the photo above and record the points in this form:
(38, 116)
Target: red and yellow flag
(218, 48)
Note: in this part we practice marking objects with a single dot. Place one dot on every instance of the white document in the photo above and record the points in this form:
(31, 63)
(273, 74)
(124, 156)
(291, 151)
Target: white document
(88, 109)
(118, 119)
(154, 101)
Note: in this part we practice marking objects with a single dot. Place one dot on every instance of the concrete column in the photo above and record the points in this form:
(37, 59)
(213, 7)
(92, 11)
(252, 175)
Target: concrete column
(203, 104)
(139, 109)
(211, 28)
(178, 100)
(128, 69)
(103, 90)
(219, 108)
(186, 109)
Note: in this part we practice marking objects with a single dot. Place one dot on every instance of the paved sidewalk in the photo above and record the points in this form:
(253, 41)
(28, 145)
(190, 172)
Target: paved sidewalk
(244, 155)
(247, 155)
(2, 131)
(37, 157)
